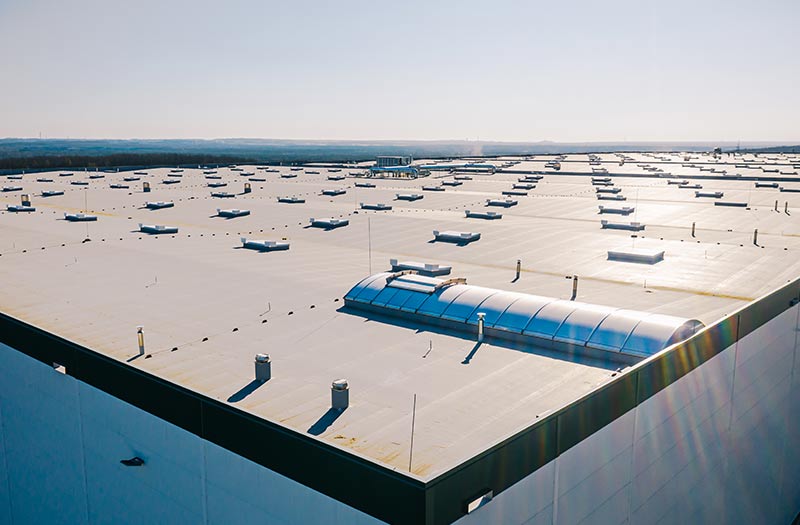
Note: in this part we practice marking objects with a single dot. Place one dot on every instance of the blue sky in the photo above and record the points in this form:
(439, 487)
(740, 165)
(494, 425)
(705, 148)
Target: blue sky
(508, 71)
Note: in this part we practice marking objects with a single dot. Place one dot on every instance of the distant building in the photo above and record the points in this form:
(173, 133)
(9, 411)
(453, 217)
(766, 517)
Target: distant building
(389, 161)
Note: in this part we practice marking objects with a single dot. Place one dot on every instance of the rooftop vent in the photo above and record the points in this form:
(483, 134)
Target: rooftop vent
(291, 200)
(334, 192)
(119, 186)
(364, 185)
(462, 177)
(340, 394)
(790, 190)
(604, 197)
(408, 196)
(12, 188)
(52, 193)
(264, 246)
(335, 177)
(131, 179)
(213, 177)
(222, 194)
(636, 255)
(157, 205)
(633, 226)
(524, 186)
(678, 182)
(625, 210)
(736, 204)
(263, 367)
(530, 178)
(65, 174)
(80, 217)
(328, 223)
(712, 194)
(288, 175)
(427, 269)
(170, 181)
(231, 213)
(79, 183)
(44, 180)
(156, 229)
(503, 203)
(15, 208)
(540, 321)
(520, 193)
(607, 190)
(378, 206)
(217, 184)
(456, 237)
(483, 214)
(97, 176)
(433, 188)
(766, 184)
(691, 186)
(452, 183)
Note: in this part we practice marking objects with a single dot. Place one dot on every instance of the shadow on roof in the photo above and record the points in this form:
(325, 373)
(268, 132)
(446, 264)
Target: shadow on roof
(512, 343)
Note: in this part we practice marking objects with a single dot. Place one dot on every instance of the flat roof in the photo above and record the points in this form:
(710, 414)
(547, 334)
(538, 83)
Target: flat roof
(208, 306)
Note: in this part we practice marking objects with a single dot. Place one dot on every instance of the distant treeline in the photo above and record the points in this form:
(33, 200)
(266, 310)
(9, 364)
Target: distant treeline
(774, 149)
(53, 162)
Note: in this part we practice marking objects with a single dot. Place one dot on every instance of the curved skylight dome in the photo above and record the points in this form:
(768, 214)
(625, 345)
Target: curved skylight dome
(547, 321)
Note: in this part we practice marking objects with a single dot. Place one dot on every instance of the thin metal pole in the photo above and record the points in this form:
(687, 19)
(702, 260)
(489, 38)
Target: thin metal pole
(413, 421)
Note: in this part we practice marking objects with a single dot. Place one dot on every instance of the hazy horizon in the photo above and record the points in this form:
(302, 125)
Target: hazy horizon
(583, 72)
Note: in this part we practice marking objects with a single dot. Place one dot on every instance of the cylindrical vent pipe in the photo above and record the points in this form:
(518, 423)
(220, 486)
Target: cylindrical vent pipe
(519, 268)
(146, 187)
(247, 188)
(26, 200)
(755, 236)
(776, 205)
(481, 321)
(340, 394)
(786, 208)
(574, 287)
(263, 368)
(140, 337)
(693, 227)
